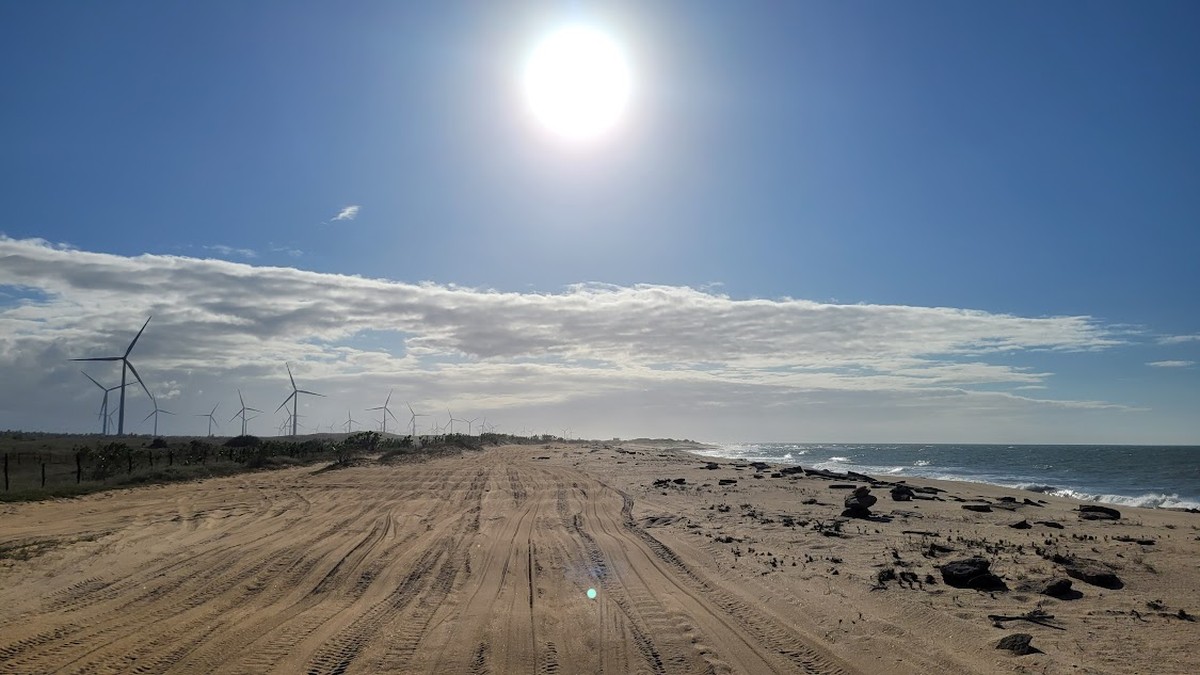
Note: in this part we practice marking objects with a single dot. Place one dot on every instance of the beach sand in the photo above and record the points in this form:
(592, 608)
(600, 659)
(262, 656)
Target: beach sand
(482, 562)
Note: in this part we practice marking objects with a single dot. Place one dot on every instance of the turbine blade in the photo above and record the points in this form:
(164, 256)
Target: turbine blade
(406, 404)
(377, 408)
(149, 416)
(285, 401)
(135, 337)
(166, 412)
(214, 410)
(392, 414)
(253, 409)
(235, 416)
(101, 358)
(240, 399)
(388, 399)
(139, 379)
(310, 393)
(94, 381)
(289, 367)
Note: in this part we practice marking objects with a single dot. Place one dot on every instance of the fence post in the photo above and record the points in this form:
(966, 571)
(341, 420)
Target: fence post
(170, 458)
(150, 457)
(6, 472)
(43, 474)
(129, 456)
(78, 466)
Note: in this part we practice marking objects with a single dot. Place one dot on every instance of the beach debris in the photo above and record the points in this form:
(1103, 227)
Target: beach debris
(842, 486)
(727, 481)
(712, 466)
(1050, 523)
(1029, 502)
(1092, 512)
(1018, 643)
(1087, 570)
(789, 470)
(858, 504)
(902, 493)
(980, 508)
(759, 466)
(1023, 525)
(1059, 588)
(972, 573)
(1134, 540)
(1038, 616)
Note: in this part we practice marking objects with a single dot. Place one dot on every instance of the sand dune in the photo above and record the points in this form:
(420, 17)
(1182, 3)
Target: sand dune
(482, 564)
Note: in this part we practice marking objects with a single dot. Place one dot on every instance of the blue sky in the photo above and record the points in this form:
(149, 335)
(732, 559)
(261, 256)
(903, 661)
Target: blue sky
(1033, 161)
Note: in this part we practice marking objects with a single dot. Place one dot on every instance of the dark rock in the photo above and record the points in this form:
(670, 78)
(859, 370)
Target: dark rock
(1011, 500)
(679, 481)
(860, 477)
(1050, 523)
(928, 490)
(842, 486)
(776, 474)
(727, 481)
(1030, 502)
(789, 470)
(1090, 571)
(972, 573)
(822, 473)
(1018, 643)
(1023, 525)
(759, 466)
(1134, 540)
(858, 504)
(1092, 512)
(981, 508)
(902, 493)
(712, 466)
(1060, 588)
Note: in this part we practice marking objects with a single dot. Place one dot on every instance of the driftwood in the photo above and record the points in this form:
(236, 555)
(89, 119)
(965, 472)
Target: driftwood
(1036, 616)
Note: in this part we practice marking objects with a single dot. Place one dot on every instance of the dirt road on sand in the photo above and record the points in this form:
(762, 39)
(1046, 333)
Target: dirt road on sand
(473, 564)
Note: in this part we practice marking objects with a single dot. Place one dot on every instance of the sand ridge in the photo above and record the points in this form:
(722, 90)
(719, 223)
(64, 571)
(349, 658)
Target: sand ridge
(482, 562)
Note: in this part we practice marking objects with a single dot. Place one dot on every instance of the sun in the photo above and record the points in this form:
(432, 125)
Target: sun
(577, 82)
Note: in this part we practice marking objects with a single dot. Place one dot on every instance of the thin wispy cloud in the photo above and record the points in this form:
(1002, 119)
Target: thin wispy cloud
(1171, 364)
(1178, 339)
(287, 250)
(347, 213)
(230, 251)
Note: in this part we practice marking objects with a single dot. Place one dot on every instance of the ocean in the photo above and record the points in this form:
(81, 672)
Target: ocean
(1133, 475)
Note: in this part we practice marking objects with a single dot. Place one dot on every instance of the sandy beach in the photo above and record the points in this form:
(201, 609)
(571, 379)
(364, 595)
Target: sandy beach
(482, 563)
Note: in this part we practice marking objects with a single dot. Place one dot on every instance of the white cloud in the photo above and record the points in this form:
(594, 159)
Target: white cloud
(635, 349)
(230, 251)
(348, 213)
(1178, 339)
(1171, 364)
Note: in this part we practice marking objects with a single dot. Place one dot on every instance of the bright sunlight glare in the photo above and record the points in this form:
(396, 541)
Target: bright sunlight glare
(577, 82)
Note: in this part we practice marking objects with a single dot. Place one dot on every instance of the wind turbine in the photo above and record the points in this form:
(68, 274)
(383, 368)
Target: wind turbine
(453, 419)
(211, 420)
(413, 421)
(125, 365)
(349, 422)
(386, 411)
(242, 413)
(154, 414)
(104, 404)
(471, 426)
(294, 397)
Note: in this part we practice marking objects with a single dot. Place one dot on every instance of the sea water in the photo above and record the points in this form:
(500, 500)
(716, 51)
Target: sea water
(1133, 475)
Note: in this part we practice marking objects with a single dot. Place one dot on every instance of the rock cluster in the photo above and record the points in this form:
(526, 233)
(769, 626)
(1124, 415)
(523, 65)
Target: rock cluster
(858, 503)
(973, 573)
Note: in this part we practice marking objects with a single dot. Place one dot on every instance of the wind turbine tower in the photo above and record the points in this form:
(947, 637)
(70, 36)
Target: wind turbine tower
(155, 413)
(125, 365)
(294, 397)
(350, 422)
(242, 413)
(104, 404)
(386, 411)
(413, 421)
(211, 420)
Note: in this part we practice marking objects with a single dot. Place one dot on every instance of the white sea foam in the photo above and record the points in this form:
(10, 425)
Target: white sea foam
(921, 462)
(1148, 500)
(840, 460)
